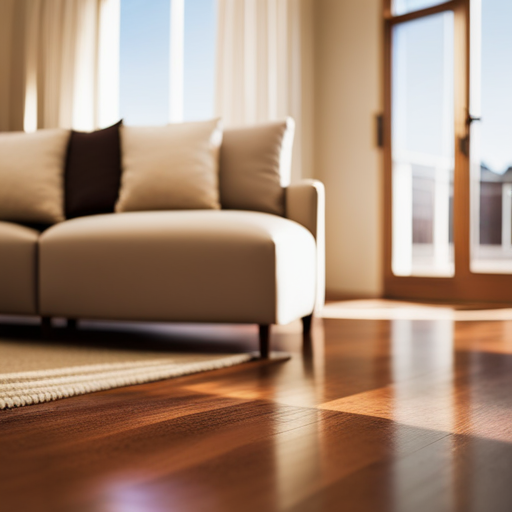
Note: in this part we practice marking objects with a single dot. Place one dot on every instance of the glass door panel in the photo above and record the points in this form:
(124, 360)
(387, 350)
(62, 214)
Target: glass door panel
(406, 6)
(423, 146)
(491, 138)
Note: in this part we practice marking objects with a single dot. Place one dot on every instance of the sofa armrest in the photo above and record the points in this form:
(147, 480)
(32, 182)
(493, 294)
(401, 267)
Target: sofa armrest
(305, 204)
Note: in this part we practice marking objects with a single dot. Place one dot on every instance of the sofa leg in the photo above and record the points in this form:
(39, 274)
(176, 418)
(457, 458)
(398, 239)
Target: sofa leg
(46, 326)
(264, 341)
(306, 324)
(72, 324)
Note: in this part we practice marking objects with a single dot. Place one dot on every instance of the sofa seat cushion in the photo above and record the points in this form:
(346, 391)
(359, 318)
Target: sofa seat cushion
(209, 266)
(18, 253)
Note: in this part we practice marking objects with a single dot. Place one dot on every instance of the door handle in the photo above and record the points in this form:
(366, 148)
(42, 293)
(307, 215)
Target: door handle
(471, 119)
(464, 141)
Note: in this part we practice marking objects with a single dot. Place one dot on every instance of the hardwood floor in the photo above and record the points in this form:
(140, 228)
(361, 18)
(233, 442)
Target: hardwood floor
(369, 415)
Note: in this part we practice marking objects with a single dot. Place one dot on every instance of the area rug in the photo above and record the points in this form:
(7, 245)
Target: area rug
(32, 373)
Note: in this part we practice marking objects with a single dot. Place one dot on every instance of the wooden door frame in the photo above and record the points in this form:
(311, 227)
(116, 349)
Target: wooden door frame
(465, 285)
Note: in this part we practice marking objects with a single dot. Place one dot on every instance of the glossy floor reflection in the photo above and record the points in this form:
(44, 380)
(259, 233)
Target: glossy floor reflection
(369, 415)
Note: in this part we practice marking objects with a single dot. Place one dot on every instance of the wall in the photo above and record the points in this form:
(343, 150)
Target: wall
(348, 95)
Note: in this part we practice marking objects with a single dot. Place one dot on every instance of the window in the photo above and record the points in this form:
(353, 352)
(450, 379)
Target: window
(448, 185)
(491, 168)
(406, 6)
(167, 61)
(423, 152)
(199, 59)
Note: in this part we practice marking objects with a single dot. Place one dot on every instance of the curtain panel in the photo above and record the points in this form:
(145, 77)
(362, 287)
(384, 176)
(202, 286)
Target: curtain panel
(264, 68)
(60, 63)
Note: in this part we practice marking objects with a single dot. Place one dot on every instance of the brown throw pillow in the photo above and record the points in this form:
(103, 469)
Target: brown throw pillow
(93, 172)
(255, 164)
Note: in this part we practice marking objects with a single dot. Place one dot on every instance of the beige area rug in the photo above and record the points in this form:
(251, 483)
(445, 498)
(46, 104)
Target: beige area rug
(32, 373)
(382, 309)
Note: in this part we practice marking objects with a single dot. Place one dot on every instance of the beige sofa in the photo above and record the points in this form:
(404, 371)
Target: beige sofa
(225, 266)
(230, 265)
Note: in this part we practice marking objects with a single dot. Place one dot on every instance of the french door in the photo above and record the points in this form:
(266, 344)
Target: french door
(448, 149)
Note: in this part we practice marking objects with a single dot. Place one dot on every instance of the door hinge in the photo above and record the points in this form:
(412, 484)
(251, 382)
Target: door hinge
(379, 121)
(464, 145)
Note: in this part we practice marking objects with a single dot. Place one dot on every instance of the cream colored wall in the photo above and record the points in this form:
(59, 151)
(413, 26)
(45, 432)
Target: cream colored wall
(348, 95)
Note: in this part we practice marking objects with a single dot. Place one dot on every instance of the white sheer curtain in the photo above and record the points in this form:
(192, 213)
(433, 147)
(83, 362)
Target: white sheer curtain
(64, 59)
(264, 73)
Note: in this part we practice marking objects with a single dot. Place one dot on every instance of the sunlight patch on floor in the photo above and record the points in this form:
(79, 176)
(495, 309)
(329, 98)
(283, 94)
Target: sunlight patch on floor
(382, 309)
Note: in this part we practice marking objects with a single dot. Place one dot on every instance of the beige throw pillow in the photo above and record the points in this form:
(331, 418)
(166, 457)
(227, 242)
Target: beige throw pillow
(255, 165)
(173, 167)
(32, 176)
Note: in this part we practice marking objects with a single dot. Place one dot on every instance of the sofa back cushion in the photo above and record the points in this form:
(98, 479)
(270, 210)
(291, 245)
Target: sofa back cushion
(31, 176)
(93, 172)
(255, 165)
(173, 167)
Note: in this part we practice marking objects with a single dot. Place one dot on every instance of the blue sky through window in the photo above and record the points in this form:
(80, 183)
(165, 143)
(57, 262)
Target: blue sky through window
(144, 61)
(423, 86)
(418, 63)
(200, 38)
(496, 125)
(405, 6)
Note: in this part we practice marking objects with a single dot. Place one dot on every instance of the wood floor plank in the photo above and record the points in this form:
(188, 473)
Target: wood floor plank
(368, 415)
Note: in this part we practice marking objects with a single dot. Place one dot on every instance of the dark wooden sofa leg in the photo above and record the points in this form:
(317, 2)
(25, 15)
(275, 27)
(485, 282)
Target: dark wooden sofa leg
(72, 324)
(264, 341)
(306, 324)
(46, 326)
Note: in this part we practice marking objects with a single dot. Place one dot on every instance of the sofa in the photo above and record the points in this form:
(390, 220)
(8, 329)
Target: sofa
(239, 262)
